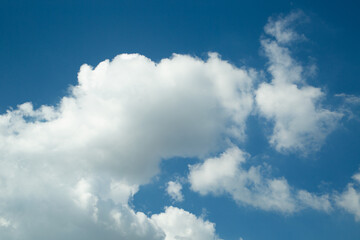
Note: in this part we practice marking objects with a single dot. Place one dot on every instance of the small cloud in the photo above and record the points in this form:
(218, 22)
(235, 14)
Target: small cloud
(174, 191)
(349, 200)
(348, 98)
(320, 203)
(281, 28)
(4, 222)
(180, 224)
(226, 174)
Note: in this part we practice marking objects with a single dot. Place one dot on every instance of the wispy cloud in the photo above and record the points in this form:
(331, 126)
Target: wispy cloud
(226, 174)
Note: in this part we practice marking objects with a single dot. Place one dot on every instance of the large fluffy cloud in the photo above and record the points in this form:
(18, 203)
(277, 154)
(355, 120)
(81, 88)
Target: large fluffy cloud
(110, 134)
(126, 115)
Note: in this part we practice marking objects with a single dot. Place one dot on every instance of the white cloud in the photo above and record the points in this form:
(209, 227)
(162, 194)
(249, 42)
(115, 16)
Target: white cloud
(4, 222)
(356, 177)
(349, 98)
(178, 107)
(174, 191)
(88, 155)
(120, 191)
(300, 121)
(282, 27)
(134, 225)
(227, 174)
(349, 200)
(68, 171)
(321, 203)
(180, 224)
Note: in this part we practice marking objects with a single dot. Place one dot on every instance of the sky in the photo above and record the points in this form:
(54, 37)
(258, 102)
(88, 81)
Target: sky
(234, 120)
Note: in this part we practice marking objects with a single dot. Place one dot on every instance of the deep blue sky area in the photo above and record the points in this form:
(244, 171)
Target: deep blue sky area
(44, 43)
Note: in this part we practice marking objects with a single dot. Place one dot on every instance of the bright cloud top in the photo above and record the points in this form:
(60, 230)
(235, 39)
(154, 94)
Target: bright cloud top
(178, 107)
(179, 224)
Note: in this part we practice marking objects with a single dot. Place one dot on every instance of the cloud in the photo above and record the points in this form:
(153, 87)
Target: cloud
(179, 107)
(179, 224)
(68, 171)
(4, 222)
(320, 203)
(349, 200)
(88, 154)
(174, 191)
(82, 213)
(301, 123)
(349, 98)
(281, 28)
(227, 174)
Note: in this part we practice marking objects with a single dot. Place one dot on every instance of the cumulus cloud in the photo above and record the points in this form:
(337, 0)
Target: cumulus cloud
(82, 213)
(107, 137)
(174, 191)
(301, 123)
(179, 224)
(178, 107)
(227, 174)
(349, 200)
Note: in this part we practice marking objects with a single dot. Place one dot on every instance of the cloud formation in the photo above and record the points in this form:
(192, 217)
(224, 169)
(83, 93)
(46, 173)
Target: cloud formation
(109, 135)
(349, 200)
(349, 98)
(227, 174)
(111, 132)
(179, 224)
(178, 107)
(282, 27)
(174, 191)
(76, 165)
(301, 123)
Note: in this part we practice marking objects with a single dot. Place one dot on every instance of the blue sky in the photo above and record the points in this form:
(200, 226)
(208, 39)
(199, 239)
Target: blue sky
(233, 120)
